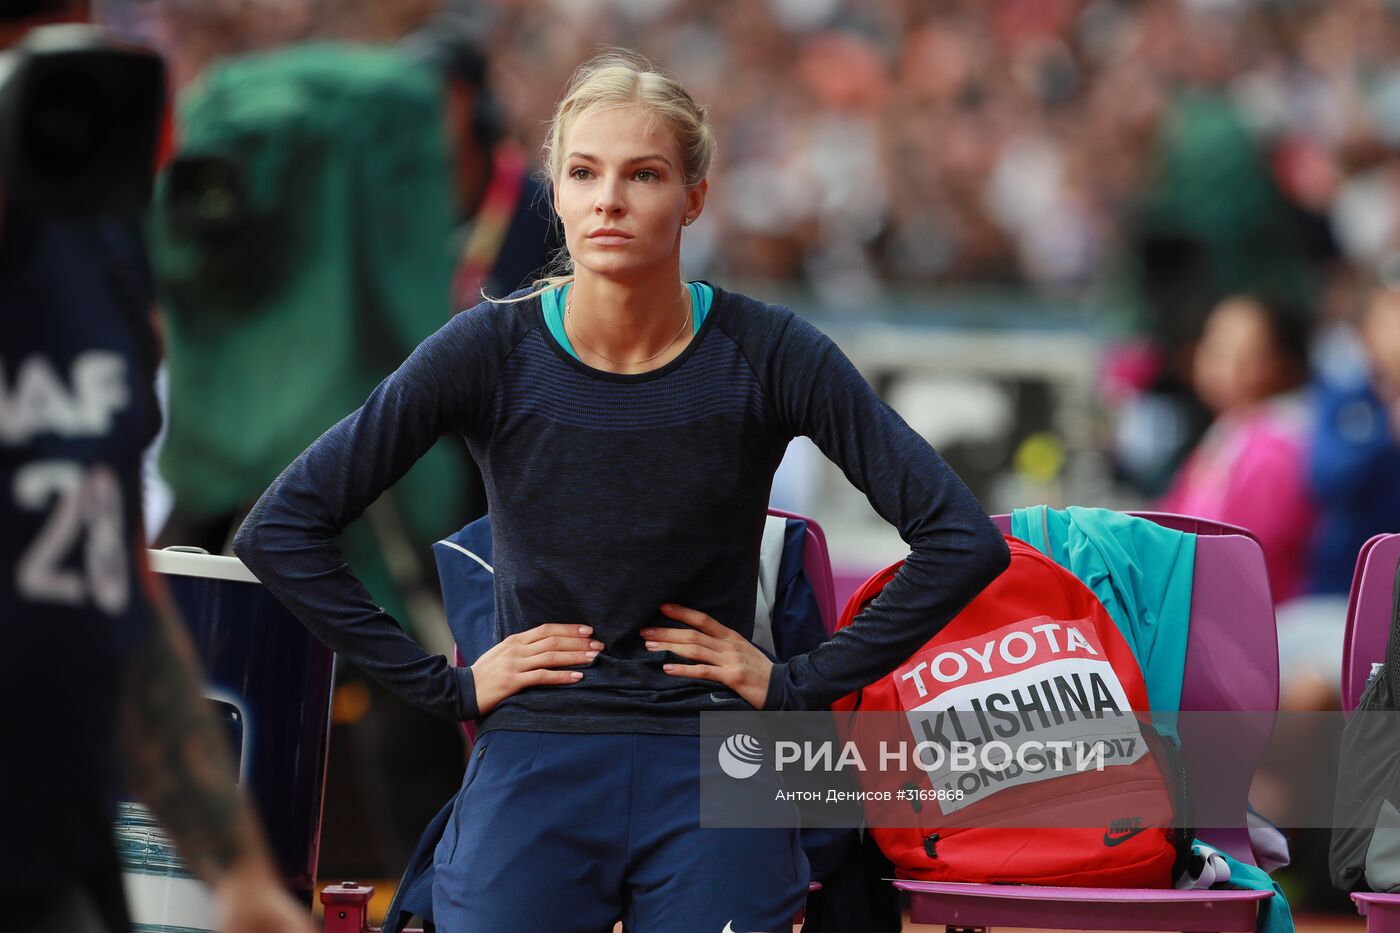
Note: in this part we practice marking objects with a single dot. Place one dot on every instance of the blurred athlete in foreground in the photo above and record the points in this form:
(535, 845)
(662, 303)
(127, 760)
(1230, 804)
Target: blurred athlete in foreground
(96, 672)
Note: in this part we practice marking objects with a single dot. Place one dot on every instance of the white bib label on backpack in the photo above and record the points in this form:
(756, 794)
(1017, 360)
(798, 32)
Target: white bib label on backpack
(1032, 701)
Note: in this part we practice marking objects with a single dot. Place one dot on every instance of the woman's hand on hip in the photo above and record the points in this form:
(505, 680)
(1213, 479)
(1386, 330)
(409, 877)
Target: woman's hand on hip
(528, 659)
(719, 653)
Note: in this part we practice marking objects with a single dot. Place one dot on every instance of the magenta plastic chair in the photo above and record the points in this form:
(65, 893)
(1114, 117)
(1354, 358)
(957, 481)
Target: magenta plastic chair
(816, 564)
(1231, 665)
(1382, 911)
(1368, 627)
(1368, 614)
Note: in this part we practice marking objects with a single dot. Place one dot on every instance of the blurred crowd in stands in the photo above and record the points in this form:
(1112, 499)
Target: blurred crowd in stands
(1046, 142)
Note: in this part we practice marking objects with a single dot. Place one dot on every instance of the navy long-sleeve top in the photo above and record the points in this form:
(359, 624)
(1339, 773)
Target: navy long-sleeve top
(612, 494)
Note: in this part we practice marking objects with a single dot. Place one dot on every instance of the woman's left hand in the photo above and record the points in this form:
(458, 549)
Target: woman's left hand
(720, 653)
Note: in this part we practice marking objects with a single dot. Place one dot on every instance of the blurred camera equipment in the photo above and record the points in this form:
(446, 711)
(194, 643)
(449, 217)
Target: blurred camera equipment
(80, 116)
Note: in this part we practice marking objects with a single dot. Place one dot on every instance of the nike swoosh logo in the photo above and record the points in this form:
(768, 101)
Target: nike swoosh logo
(1109, 839)
(722, 699)
(729, 928)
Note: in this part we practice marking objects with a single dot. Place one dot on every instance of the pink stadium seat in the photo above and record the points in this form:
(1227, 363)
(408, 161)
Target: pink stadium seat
(1382, 911)
(1368, 614)
(1231, 665)
(816, 562)
(1368, 626)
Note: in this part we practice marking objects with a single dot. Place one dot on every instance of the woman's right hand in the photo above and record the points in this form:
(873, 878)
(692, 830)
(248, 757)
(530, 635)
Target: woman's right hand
(526, 659)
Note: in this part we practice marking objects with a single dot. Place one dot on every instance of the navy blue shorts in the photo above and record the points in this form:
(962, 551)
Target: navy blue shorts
(556, 832)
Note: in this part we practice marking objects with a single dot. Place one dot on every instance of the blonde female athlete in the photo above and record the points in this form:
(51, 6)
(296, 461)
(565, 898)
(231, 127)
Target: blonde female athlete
(627, 425)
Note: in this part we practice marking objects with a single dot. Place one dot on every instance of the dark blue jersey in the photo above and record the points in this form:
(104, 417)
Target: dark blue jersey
(76, 412)
(612, 494)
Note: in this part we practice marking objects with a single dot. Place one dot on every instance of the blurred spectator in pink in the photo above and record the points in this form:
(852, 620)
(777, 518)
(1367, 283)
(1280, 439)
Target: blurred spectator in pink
(1250, 467)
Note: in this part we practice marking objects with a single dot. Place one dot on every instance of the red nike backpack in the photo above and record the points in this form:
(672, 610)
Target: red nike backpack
(1036, 638)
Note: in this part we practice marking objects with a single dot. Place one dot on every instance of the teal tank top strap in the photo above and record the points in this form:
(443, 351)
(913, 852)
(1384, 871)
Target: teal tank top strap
(702, 296)
(553, 303)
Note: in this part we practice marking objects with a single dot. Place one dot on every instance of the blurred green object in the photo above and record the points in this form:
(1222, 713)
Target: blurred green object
(1213, 222)
(300, 239)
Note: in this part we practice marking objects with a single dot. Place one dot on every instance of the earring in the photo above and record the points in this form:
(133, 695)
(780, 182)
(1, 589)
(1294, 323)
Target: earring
(686, 222)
